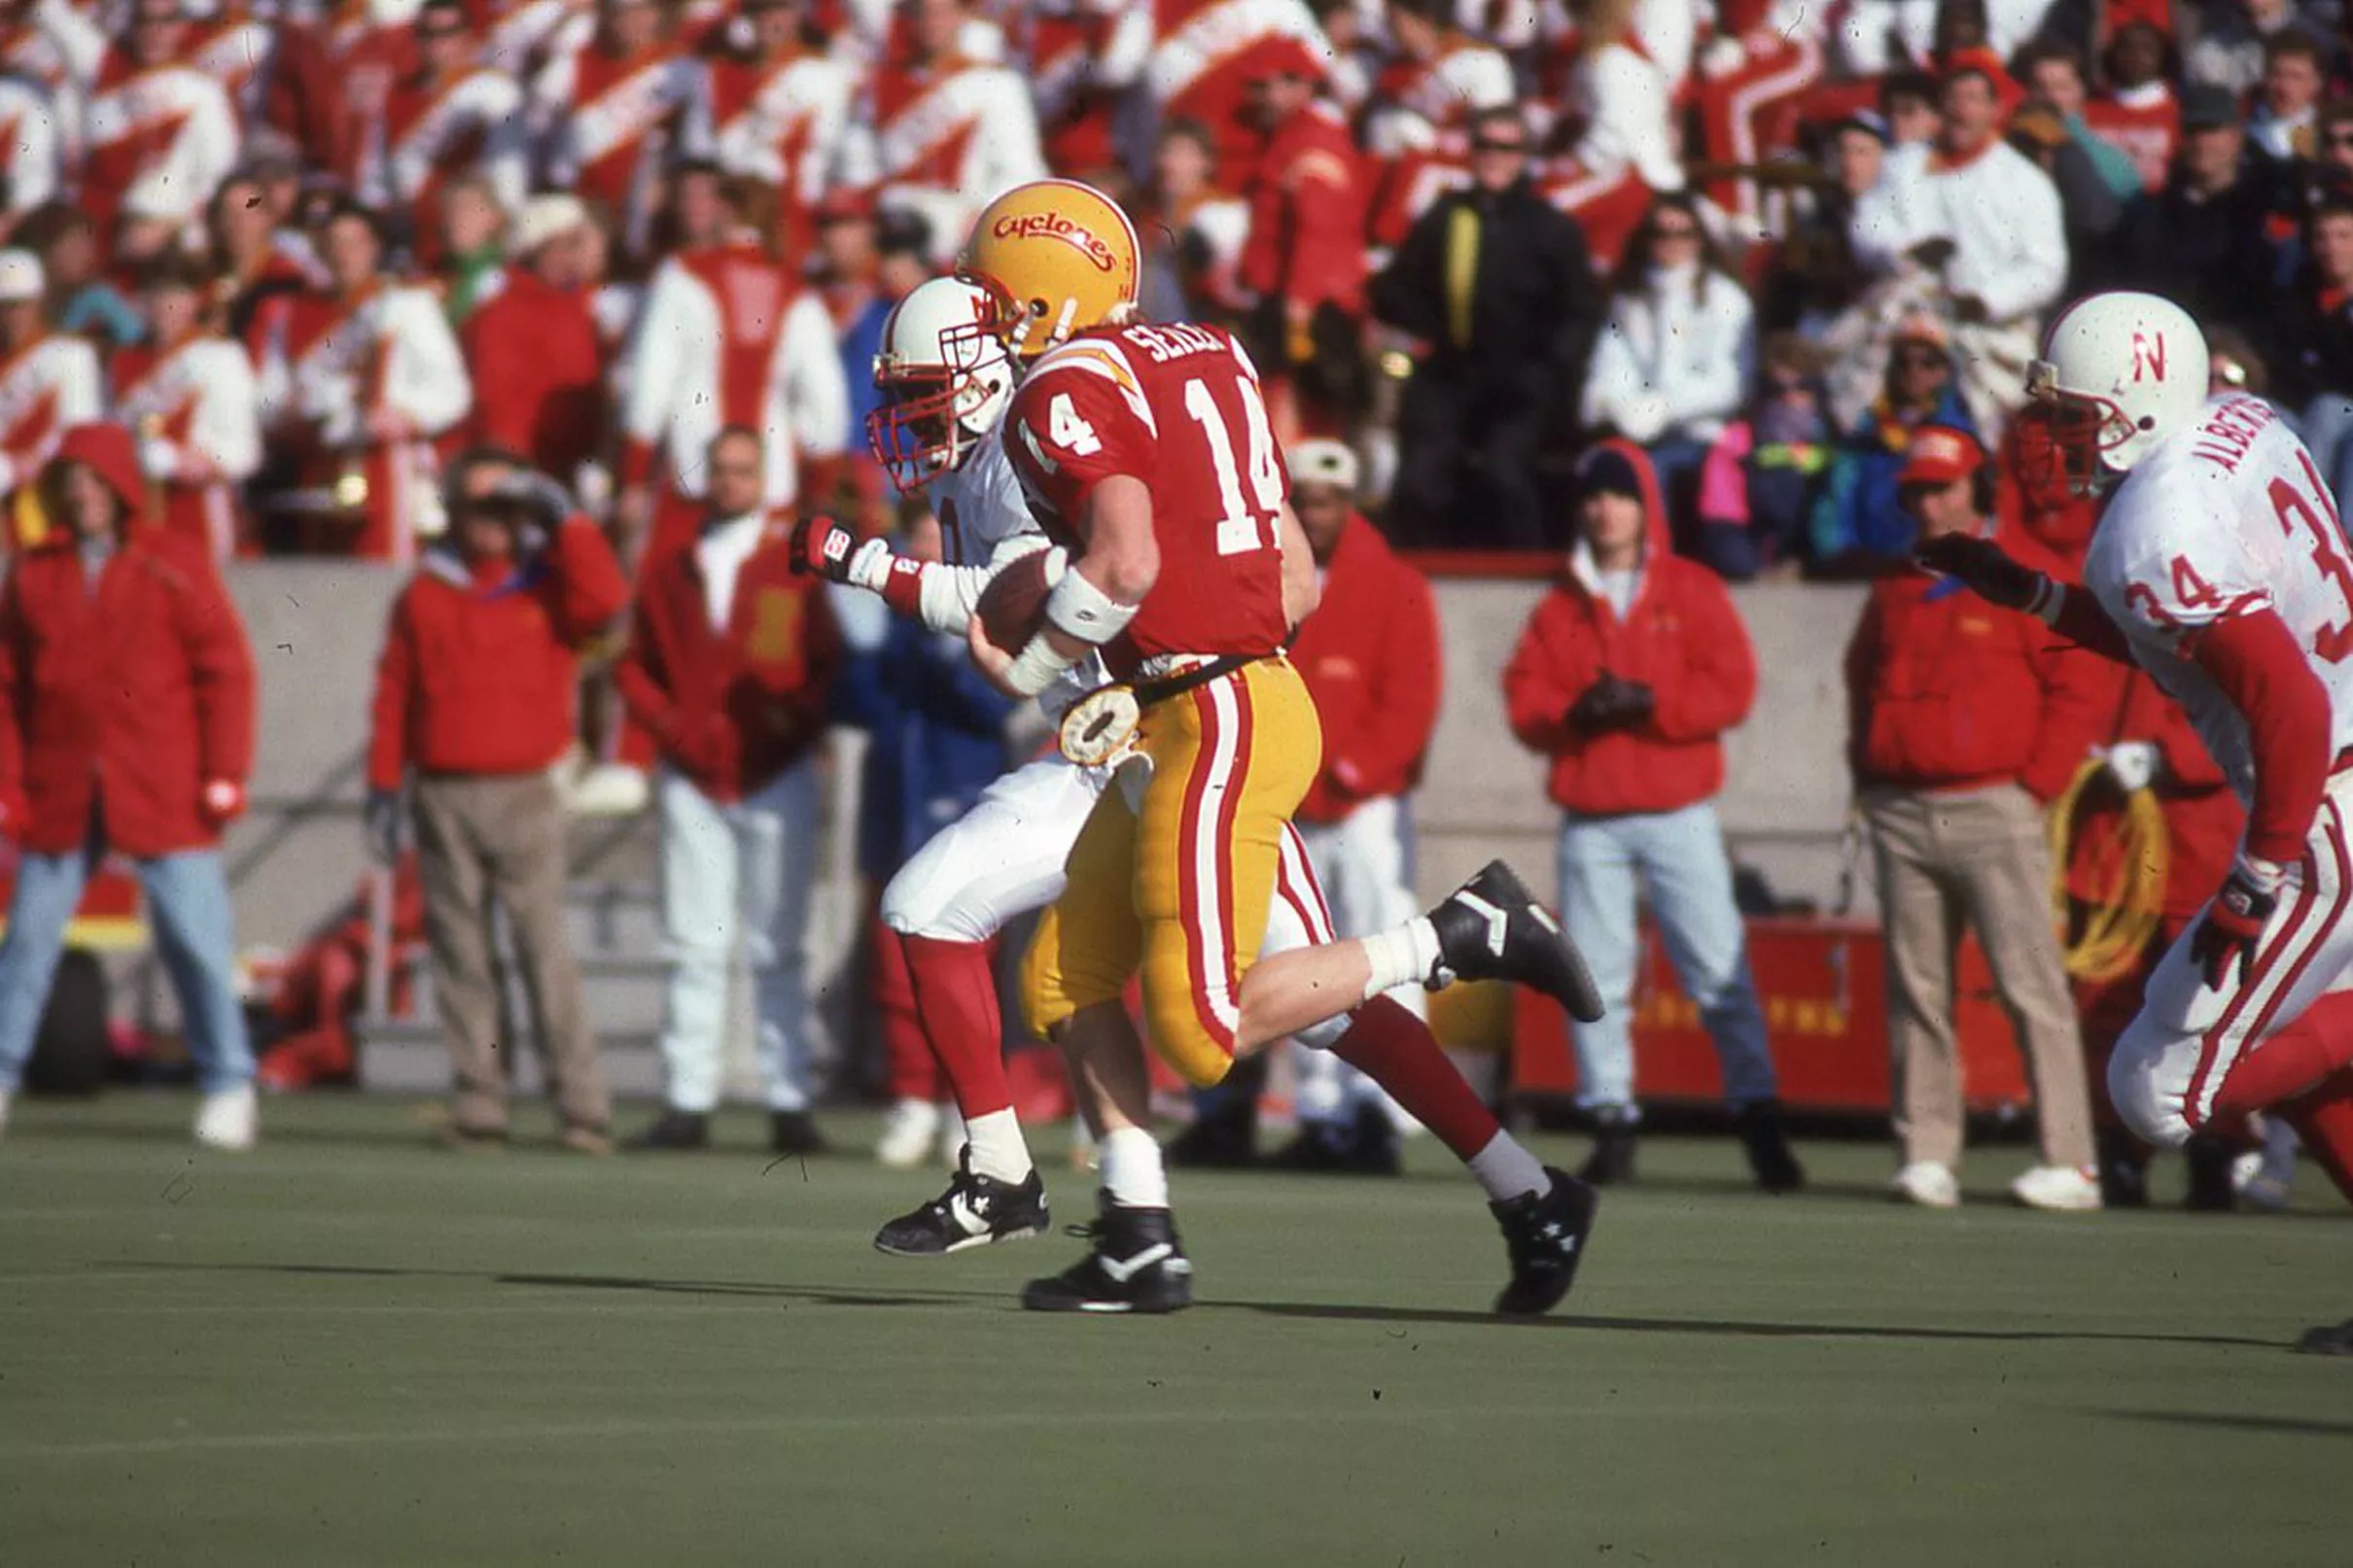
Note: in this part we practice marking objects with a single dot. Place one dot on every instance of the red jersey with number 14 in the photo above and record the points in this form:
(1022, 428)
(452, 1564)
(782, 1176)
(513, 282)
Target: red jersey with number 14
(2229, 517)
(1179, 407)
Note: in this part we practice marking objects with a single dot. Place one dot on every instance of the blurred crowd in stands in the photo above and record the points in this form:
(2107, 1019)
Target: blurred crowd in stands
(309, 251)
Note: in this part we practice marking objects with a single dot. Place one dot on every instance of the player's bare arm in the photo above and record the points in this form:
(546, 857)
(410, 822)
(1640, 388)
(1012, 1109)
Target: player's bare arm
(1302, 591)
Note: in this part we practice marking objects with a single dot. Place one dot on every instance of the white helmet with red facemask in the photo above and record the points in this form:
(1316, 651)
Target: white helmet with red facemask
(944, 378)
(2119, 374)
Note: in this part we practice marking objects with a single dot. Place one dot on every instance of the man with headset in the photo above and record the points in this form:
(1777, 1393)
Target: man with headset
(1965, 722)
(473, 704)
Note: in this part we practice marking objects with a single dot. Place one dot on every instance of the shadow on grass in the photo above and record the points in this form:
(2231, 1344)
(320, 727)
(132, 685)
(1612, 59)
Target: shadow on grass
(821, 1296)
(2285, 1425)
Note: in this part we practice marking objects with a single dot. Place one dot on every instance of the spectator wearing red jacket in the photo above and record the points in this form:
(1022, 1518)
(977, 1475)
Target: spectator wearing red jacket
(473, 704)
(1370, 658)
(1305, 259)
(1627, 675)
(126, 724)
(533, 348)
(1965, 721)
(727, 670)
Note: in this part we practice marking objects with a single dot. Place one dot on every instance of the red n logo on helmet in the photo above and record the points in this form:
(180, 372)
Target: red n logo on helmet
(2148, 356)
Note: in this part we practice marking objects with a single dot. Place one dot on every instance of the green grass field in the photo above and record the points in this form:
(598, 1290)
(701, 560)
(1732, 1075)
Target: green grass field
(350, 1349)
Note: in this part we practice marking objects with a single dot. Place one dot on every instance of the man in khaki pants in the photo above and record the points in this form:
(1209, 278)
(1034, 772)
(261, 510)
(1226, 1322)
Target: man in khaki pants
(475, 697)
(1966, 720)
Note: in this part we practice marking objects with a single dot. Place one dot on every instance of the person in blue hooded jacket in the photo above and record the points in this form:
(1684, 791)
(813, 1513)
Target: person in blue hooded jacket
(1859, 528)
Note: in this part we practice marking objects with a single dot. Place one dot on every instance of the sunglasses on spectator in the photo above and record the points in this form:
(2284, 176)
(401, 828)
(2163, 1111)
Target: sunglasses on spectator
(2340, 139)
(1921, 359)
(1489, 144)
(1676, 232)
(433, 34)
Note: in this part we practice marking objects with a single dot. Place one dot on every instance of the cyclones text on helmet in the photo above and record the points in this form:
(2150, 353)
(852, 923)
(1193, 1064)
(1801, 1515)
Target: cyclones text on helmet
(1057, 258)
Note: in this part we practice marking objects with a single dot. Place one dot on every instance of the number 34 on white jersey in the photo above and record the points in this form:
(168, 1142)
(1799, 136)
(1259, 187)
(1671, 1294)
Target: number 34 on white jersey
(2230, 517)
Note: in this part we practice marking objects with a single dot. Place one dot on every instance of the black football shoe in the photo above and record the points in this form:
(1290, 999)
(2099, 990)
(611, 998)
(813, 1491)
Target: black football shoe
(1492, 928)
(1545, 1237)
(975, 1212)
(1616, 1136)
(1137, 1265)
(2329, 1339)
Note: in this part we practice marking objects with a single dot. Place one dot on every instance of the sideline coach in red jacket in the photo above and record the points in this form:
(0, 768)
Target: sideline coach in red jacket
(1370, 658)
(126, 722)
(474, 700)
(1627, 677)
(727, 667)
(1965, 721)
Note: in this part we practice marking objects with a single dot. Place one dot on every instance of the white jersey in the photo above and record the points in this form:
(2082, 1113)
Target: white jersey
(984, 526)
(2228, 517)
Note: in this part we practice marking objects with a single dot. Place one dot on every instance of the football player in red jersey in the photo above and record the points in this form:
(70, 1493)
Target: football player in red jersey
(1148, 451)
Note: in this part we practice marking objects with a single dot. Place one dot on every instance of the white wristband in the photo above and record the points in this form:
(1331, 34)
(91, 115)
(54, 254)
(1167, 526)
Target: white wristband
(2265, 876)
(1036, 666)
(1080, 609)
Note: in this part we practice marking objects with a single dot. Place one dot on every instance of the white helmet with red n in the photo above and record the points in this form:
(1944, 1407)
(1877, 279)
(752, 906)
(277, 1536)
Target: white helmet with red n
(944, 378)
(2120, 373)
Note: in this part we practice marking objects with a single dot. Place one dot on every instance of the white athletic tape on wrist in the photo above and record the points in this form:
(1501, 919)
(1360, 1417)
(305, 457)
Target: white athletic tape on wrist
(1036, 666)
(869, 565)
(1080, 609)
(2264, 875)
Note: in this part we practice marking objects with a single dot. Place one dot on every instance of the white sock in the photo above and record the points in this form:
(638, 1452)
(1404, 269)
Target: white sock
(1505, 1169)
(1132, 1172)
(1402, 956)
(997, 1147)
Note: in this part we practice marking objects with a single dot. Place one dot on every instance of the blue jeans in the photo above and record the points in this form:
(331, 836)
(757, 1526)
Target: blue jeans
(1678, 858)
(187, 904)
(2327, 425)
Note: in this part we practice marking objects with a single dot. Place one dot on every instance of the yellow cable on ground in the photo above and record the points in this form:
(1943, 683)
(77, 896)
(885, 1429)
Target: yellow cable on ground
(2120, 921)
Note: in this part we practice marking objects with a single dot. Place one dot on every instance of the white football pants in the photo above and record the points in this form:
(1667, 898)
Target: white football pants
(2177, 1051)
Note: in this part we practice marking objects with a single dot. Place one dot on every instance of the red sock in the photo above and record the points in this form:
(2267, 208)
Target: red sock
(909, 1068)
(1397, 1050)
(2323, 1120)
(956, 996)
(2290, 1062)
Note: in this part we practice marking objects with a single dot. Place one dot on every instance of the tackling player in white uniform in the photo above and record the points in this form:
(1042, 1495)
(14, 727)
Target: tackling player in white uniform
(2221, 567)
(947, 388)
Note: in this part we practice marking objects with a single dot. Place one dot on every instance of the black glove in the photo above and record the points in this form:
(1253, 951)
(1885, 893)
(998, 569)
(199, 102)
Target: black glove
(1610, 704)
(1982, 567)
(387, 819)
(2234, 922)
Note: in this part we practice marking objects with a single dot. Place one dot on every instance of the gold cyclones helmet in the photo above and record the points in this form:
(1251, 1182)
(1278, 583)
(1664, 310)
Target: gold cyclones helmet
(1057, 258)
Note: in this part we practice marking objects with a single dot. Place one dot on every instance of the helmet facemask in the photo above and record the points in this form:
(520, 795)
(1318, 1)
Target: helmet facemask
(933, 416)
(2064, 436)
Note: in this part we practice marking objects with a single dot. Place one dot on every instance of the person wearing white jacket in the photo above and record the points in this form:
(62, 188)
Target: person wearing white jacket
(1677, 350)
(727, 336)
(1978, 218)
(190, 398)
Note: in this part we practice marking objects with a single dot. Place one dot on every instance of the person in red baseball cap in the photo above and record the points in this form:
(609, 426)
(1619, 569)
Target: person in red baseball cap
(1965, 721)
